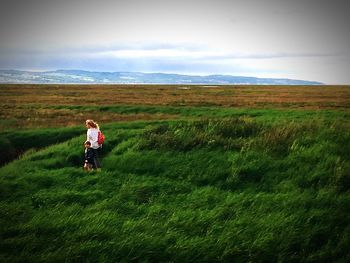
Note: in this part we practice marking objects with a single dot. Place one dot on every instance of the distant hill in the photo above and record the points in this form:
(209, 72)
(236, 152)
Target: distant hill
(83, 77)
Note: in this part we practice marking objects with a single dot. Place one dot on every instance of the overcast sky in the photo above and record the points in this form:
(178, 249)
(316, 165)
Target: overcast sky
(298, 39)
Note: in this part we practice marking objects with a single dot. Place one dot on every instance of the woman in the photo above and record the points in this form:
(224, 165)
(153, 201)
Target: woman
(92, 137)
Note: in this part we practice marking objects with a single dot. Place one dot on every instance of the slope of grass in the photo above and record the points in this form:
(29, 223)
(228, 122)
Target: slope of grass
(13, 143)
(239, 189)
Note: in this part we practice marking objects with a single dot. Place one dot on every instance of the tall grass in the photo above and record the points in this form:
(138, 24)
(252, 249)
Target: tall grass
(14, 143)
(210, 190)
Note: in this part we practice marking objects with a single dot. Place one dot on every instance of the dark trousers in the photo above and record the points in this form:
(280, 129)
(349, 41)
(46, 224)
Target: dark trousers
(97, 163)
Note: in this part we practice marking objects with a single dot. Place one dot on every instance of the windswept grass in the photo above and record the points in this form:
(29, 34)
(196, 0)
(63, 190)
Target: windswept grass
(233, 189)
(206, 174)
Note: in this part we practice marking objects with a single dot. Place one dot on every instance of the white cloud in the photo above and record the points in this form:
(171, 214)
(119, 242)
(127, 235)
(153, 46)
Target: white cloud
(184, 59)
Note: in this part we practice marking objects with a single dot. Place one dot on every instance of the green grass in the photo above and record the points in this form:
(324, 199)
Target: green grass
(15, 142)
(209, 111)
(260, 187)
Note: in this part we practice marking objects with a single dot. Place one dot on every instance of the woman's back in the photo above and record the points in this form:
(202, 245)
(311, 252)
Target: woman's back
(92, 136)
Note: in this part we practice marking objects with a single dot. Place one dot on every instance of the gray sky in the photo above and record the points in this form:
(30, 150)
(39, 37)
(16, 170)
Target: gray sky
(300, 39)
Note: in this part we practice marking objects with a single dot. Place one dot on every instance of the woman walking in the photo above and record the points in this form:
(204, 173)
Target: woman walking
(92, 137)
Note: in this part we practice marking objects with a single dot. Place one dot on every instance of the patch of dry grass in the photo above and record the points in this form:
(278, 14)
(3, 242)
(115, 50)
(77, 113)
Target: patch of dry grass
(29, 106)
(325, 97)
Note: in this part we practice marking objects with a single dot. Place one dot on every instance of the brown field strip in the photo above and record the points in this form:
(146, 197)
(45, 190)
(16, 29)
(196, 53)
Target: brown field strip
(325, 97)
(28, 106)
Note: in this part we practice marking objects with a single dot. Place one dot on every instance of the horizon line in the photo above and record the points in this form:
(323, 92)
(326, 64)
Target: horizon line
(165, 73)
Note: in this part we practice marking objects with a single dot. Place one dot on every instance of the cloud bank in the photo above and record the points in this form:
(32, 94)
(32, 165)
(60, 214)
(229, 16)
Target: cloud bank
(267, 38)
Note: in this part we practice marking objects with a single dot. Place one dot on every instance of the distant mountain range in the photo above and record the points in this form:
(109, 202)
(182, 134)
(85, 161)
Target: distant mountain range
(83, 77)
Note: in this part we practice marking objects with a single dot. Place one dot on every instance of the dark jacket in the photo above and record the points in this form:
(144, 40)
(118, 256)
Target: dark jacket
(89, 156)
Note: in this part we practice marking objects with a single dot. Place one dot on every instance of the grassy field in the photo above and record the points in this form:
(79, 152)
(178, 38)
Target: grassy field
(190, 174)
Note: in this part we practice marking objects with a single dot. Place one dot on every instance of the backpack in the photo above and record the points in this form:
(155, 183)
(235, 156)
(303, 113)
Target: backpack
(100, 138)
